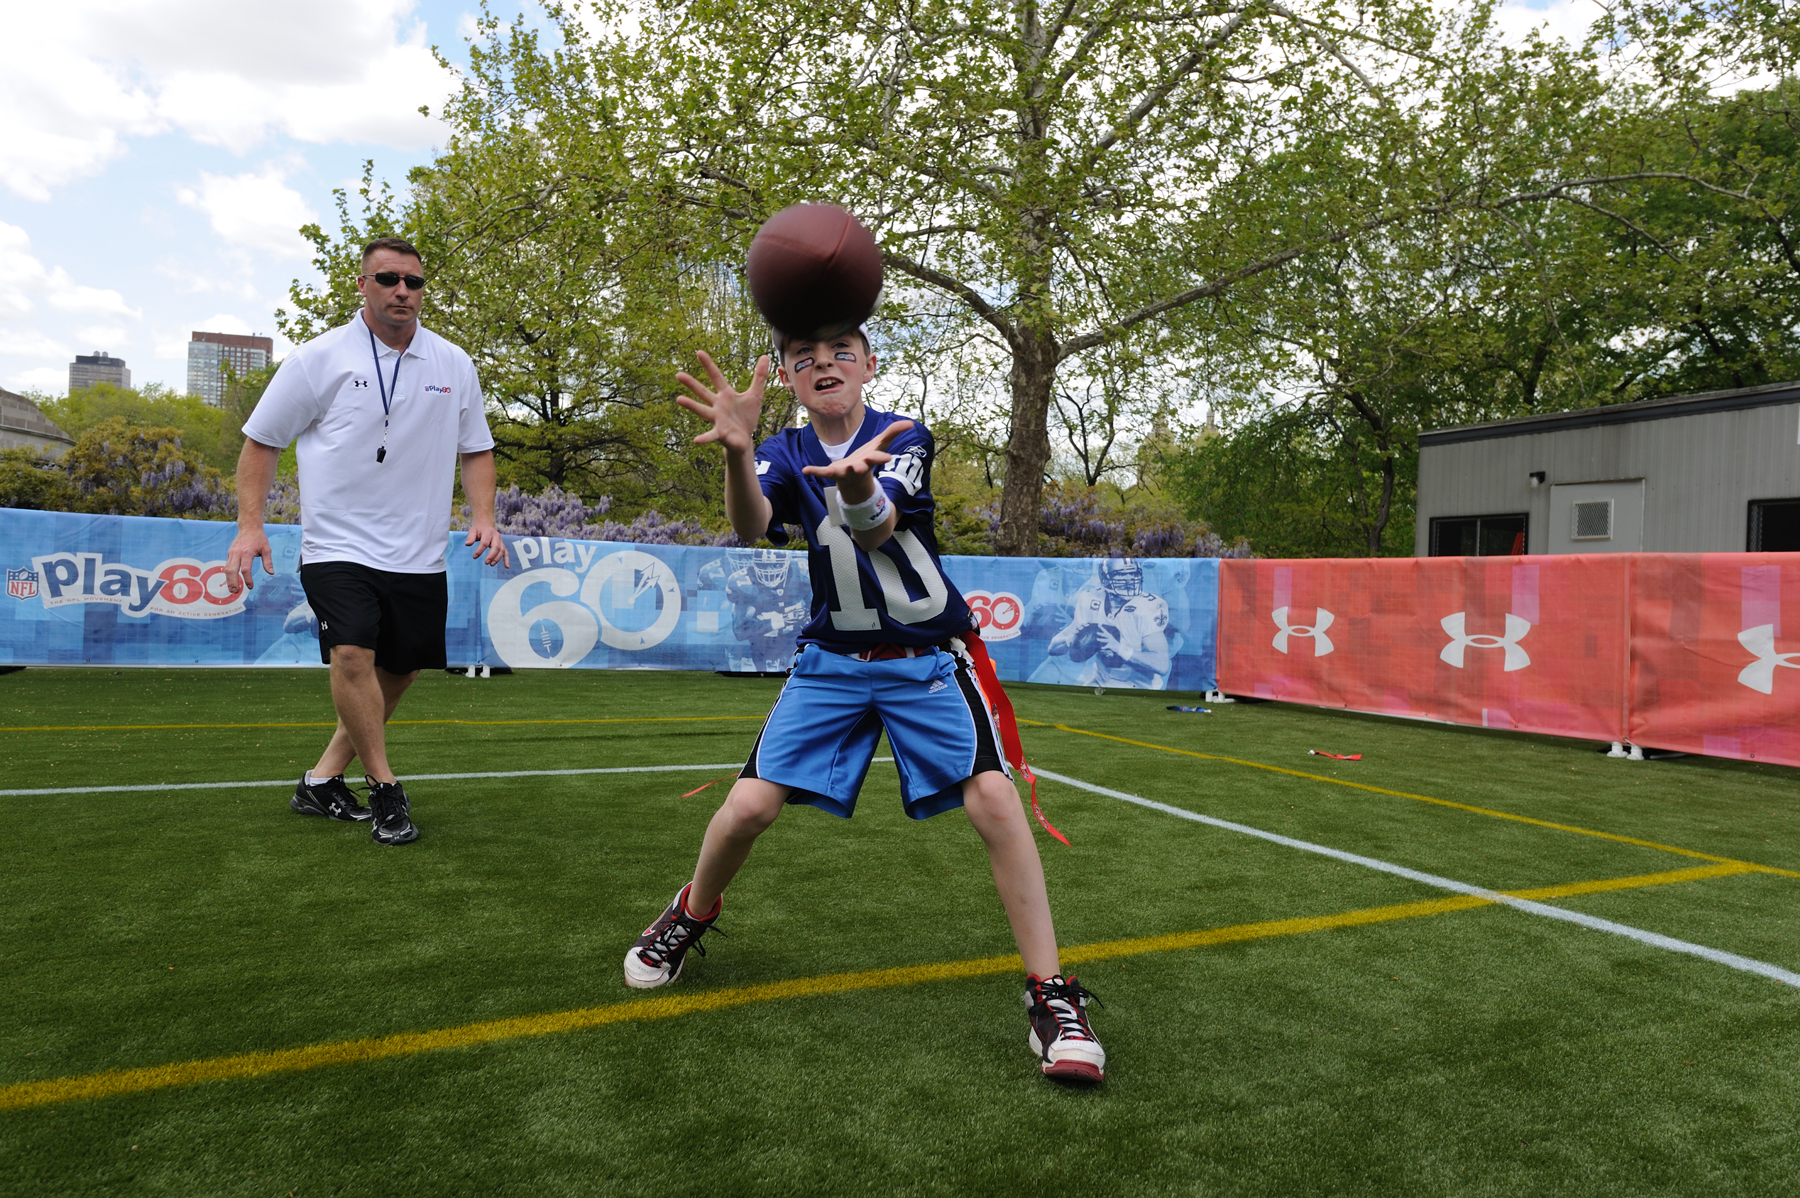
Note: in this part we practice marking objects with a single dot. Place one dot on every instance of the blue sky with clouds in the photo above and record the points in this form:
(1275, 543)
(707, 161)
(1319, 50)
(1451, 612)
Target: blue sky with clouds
(160, 156)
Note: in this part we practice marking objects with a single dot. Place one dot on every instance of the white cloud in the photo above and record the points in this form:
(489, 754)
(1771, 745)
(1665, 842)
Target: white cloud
(255, 211)
(50, 380)
(101, 334)
(79, 77)
(24, 281)
(30, 343)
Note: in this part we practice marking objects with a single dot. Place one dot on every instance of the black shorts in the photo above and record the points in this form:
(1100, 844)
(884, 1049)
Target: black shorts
(400, 616)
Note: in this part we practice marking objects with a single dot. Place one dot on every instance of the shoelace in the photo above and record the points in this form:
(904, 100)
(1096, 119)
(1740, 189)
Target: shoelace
(680, 929)
(1064, 1002)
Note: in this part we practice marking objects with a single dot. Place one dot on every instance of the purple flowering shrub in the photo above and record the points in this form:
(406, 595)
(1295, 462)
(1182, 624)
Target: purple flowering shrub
(1073, 522)
(283, 504)
(560, 513)
(125, 470)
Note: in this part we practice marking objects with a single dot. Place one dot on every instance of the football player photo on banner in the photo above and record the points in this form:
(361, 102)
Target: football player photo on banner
(1534, 644)
(1126, 623)
(144, 591)
(1716, 654)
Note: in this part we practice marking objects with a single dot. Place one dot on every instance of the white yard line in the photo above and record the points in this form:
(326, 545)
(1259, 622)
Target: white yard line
(1654, 939)
(179, 786)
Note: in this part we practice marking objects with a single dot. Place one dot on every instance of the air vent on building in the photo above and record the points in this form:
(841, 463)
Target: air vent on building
(1593, 520)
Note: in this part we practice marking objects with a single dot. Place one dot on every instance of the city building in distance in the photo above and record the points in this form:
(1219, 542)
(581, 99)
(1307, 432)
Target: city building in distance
(22, 426)
(210, 353)
(97, 367)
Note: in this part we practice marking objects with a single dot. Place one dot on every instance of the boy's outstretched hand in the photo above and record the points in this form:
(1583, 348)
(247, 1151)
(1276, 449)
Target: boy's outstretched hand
(861, 463)
(733, 413)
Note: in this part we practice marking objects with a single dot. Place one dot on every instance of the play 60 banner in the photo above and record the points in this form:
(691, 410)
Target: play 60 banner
(1108, 623)
(126, 590)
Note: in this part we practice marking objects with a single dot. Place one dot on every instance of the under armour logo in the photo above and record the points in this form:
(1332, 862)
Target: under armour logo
(1321, 643)
(1759, 675)
(1516, 628)
(359, 383)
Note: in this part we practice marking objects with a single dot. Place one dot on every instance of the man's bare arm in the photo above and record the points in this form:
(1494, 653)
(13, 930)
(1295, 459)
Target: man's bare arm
(478, 486)
(255, 475)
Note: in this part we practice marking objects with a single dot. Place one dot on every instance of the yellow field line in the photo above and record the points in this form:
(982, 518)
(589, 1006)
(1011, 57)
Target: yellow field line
(1401, 794)
(114, 1082)
(659, 719)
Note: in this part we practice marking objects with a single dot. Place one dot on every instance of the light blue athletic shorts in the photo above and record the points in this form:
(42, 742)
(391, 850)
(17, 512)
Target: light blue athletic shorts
(821, 735)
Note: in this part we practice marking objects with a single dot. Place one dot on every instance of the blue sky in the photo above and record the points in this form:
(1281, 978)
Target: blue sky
(160, 155)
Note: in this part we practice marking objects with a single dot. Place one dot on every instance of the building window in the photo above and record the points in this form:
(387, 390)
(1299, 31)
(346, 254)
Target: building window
(1478, 536)
(1774, 526)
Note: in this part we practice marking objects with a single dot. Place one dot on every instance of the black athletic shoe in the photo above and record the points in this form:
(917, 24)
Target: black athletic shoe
(392, 809)
(1060, 1035)
(657, 957)
(330, 798)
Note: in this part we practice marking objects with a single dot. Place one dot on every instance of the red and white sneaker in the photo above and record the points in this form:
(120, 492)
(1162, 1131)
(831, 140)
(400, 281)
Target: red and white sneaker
(1060, 1035)
(657, 957)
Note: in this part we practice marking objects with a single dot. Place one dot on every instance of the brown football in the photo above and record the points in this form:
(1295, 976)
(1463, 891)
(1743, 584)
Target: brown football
(813, 268)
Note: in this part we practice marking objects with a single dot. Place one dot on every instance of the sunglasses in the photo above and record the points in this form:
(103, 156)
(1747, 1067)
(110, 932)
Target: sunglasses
(389, 278)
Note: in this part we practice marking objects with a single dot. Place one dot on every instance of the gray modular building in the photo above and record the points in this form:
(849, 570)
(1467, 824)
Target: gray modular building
(1688, 474)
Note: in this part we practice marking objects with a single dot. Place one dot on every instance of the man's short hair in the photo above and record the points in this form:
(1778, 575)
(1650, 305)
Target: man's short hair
(399, 245)
(778, 341)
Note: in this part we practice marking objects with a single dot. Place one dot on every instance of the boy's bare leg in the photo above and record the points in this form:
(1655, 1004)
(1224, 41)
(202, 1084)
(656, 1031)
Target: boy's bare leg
(365, 696)
(994, 808)
(746, 814)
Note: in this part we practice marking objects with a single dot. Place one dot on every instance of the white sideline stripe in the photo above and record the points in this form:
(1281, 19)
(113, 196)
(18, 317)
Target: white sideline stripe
(1654, 939)
(619, 769)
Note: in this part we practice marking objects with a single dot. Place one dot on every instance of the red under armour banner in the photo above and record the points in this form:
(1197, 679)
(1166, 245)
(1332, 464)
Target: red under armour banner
(1716, 654)
(1537, 644)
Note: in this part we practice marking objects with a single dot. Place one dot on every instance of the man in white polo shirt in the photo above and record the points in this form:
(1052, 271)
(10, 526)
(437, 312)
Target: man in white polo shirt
(381, 408)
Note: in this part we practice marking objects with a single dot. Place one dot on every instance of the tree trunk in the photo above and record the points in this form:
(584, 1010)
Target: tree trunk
(1028, 453)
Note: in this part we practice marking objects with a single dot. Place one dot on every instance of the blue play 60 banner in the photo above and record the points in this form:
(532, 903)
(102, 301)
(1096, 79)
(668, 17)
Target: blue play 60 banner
(117, 590)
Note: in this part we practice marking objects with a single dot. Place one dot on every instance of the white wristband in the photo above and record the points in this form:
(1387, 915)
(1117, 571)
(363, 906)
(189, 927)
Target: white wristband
(869, 513)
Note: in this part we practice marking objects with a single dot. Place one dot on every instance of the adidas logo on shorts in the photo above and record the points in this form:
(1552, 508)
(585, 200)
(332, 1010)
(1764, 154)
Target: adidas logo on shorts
(936, 686)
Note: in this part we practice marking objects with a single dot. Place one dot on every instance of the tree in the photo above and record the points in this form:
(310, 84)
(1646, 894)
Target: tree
(128, 470)
(210, 431)
(1069, 179)
(33, 480)
(571, 312)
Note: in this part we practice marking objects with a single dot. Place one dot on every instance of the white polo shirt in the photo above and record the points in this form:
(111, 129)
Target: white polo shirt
(390, 515)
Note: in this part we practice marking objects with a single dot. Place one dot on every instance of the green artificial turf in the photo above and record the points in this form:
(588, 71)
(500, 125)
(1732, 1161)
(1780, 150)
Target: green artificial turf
(1479, 1052)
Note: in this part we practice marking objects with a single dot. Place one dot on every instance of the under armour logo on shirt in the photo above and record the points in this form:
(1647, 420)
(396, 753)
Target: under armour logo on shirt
(360, 383)
(1516, 628)
(1316, 630)
(1759, 675)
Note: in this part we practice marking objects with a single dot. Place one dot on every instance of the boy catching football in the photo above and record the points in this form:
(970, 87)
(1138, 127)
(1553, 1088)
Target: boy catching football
(887, 648)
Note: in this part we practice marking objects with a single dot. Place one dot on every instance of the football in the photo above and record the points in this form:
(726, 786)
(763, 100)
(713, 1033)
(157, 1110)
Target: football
(1087, 641)
(813, 269)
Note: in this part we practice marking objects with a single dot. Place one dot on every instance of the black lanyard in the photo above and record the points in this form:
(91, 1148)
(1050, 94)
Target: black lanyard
(381, 453)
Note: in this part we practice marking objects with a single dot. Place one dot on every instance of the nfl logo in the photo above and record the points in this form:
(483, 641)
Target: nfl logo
(21, 583)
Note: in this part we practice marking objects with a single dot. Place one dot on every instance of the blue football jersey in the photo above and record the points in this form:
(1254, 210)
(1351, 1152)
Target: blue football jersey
(898, 594)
